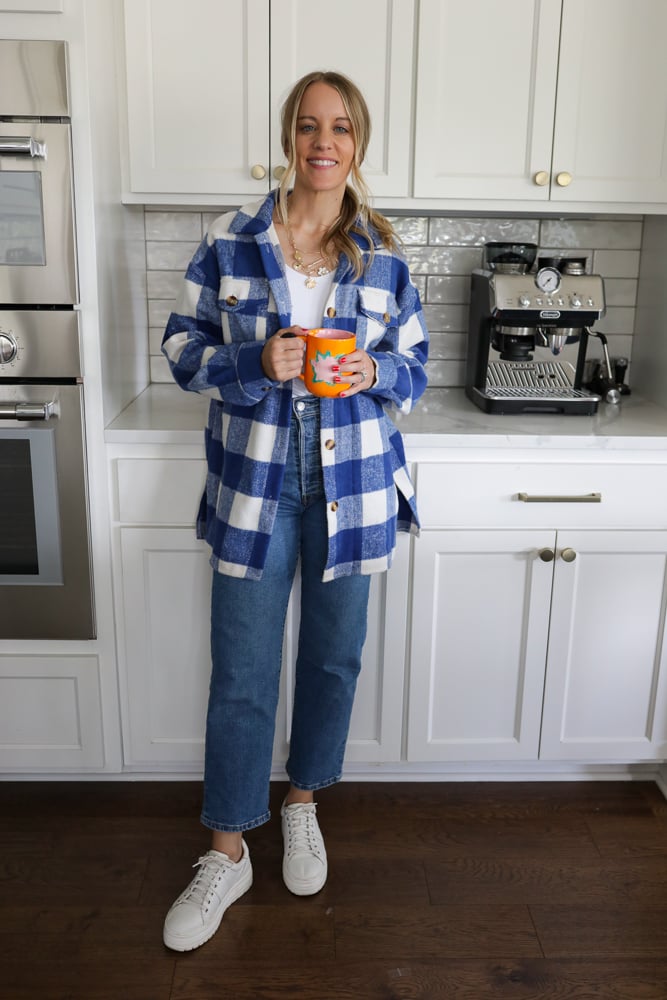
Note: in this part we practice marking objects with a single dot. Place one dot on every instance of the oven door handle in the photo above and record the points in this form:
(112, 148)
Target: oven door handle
(16, 145)
(28, 411)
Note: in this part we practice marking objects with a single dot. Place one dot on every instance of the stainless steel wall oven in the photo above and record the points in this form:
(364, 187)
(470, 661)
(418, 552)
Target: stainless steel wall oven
(45, 564)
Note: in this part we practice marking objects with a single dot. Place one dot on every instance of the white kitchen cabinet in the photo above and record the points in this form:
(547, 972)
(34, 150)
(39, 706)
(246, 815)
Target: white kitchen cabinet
(205, 84)
(50, 712)
(542, 641)
(606, 681)
(542, 100)
(480, 624)
(164, 593)
(486, 82)
(197, 79)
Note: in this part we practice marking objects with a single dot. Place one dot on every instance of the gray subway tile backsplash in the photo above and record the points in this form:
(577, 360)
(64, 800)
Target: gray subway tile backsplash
(442, 251)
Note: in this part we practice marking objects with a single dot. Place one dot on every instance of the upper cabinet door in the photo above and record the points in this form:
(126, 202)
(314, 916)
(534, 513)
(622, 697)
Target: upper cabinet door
(376, 53)
(486, 85)
(197, 97)
(611, 114)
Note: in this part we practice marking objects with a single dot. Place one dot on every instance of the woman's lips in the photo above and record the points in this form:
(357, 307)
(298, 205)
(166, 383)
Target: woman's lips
(323, 163)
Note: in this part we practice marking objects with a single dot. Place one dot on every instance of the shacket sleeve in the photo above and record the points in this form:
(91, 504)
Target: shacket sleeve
(193, 343)
(400, 357)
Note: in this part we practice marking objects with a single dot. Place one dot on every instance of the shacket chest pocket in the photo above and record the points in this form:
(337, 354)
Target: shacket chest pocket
(247, 309)
(379, 315)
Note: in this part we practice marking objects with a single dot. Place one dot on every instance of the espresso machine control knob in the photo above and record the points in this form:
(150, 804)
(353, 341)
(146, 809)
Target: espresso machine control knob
(8, 348)
(524, 301)
(575, 302)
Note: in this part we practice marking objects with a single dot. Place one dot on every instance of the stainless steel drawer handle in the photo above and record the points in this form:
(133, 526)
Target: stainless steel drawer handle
(556, 498)
(28, 411)
(14, 145)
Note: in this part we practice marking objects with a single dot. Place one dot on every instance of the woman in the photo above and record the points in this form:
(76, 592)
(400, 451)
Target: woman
(292, 475)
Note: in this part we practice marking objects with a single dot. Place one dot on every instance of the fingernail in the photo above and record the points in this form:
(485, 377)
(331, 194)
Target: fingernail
(343, 360)
(335, 368)
(337, 378)
(342, 395)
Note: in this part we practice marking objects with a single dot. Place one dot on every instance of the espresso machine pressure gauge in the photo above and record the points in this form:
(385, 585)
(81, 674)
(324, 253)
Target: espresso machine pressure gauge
(547, 280)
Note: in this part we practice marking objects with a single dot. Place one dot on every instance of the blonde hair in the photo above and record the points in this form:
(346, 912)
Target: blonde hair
(356, 214)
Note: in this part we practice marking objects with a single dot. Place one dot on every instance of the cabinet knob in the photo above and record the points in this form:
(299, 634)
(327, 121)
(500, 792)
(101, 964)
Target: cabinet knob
(546, 555)
(563, 179)
(278, 172)
(568, 555)
(541, 178)
(258, 172)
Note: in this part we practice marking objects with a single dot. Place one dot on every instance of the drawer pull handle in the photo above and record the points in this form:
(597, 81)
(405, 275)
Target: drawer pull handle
(546, 555)
(568, 555)
(547, 498)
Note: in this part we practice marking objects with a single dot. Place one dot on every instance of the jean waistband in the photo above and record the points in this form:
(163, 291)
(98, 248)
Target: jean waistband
(305, 404)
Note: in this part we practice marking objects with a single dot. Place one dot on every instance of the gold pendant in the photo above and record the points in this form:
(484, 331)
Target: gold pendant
(310, 281)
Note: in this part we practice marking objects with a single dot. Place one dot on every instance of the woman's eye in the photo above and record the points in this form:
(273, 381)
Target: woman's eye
(341, 128)
(307, 128)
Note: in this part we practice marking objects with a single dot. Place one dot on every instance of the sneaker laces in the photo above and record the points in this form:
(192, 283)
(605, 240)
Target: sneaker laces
(302, 829)
(209, 868)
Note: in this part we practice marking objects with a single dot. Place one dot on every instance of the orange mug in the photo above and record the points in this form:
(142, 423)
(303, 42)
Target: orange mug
(324, 349)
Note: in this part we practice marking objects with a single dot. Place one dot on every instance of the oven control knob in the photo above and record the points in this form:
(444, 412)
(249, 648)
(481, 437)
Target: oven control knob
(8, 348)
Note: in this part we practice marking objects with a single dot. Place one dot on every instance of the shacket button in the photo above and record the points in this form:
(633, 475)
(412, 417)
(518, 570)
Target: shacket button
(301, 407)
(334, 505)
(231, 300)
(331, 312)
(329, 444)
(386, 317)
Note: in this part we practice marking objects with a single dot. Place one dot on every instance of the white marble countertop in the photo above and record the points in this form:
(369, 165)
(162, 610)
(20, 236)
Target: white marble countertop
(443, 418)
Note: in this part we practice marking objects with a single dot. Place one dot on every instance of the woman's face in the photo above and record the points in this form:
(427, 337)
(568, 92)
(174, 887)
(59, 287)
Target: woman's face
(324, 144)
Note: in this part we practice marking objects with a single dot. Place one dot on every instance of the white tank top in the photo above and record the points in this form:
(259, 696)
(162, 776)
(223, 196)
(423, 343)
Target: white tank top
(308, 306)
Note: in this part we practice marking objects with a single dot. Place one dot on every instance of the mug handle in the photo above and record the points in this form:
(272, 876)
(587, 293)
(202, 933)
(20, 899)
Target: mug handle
(298, 336)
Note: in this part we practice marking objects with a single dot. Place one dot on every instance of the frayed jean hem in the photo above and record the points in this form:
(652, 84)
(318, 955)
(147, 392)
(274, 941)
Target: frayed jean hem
(234, 827)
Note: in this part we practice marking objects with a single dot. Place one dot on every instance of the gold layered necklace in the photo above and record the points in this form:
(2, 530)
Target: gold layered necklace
(317, 268)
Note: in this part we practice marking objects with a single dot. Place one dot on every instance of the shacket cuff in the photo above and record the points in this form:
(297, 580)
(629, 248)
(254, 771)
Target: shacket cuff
(250, 374)
(385, 374)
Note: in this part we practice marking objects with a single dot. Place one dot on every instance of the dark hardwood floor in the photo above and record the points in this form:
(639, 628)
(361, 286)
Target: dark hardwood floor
(438, 890)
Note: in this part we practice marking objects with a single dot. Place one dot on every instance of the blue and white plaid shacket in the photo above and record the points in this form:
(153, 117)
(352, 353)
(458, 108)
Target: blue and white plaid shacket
(234, 296)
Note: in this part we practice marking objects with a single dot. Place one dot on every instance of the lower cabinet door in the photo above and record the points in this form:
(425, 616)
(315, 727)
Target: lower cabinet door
(480, 621)
(50, 713)
(167, 661)
(606, 683)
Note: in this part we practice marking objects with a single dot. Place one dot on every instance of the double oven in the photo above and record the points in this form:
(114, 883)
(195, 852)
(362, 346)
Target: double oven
(45, 560)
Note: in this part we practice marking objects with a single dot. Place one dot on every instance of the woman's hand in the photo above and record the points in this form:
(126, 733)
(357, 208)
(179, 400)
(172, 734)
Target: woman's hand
(363, 372)
(282, 357)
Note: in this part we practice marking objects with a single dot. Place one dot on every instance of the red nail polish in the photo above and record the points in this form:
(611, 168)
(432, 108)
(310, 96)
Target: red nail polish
(343, 360)
(335, 368)
(337, 379)
(342, 395)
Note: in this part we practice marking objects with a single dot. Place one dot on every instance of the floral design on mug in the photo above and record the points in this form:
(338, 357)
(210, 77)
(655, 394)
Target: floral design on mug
(322, 367)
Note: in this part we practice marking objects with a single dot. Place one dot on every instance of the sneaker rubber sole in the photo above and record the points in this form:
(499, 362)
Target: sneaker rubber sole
(183, 942)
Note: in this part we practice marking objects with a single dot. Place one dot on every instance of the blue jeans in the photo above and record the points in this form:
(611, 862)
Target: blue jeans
(247, 625)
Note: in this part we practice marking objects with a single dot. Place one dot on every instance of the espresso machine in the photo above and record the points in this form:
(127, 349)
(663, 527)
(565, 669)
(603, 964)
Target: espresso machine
(529, 331)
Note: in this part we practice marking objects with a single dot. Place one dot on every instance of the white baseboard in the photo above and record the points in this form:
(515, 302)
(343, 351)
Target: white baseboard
(402, 771)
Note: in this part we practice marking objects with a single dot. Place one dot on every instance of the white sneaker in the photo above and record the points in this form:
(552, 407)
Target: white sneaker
(196, 914)
(305, 859)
